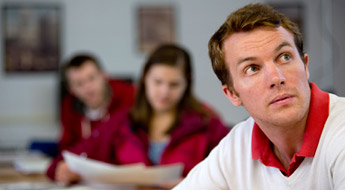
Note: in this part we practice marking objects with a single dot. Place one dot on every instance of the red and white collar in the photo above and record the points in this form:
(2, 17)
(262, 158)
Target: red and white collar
(318, 114)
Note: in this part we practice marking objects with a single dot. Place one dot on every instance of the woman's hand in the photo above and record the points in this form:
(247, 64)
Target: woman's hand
(64, 175)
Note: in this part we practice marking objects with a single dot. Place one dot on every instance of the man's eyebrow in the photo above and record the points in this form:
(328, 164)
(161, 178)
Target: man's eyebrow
(245, 59)
(283, 44)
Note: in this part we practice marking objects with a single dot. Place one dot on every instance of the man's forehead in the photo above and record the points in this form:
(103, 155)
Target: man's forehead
(259, 38)
(82, 72)
(87, 65)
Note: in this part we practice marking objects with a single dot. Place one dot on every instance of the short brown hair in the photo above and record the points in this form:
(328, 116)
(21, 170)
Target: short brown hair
(77, 61)
(245, 19)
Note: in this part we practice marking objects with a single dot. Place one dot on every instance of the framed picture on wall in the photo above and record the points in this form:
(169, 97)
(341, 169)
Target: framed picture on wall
(31, 37)
(156, 25)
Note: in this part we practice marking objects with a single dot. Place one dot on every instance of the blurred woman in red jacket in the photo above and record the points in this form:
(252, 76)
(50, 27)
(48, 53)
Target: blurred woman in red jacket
(166, 125)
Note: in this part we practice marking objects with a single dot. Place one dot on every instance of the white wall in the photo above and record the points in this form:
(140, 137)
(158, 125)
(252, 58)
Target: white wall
(338, 39)
(108, 29)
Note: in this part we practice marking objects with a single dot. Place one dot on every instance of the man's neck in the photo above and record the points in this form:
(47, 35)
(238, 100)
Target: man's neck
(286, 140)
(284, 146)
(100, 110)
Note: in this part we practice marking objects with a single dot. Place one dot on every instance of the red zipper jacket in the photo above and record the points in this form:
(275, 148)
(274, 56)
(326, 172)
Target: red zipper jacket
(114, 142)
(122, 96)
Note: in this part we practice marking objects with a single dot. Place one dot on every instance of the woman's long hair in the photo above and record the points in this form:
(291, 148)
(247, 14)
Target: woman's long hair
(171, 55)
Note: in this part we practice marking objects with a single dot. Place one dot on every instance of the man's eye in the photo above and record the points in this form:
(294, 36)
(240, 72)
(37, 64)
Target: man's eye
(251, 69)
(78, 83)
(92, 77)
(284, 58)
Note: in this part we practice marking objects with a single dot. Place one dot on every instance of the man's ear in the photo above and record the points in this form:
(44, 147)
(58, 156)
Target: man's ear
(232, 95)
(306, 62)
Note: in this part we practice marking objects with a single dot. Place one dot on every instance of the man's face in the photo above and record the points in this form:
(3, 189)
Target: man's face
(270, 79)
(88, 84)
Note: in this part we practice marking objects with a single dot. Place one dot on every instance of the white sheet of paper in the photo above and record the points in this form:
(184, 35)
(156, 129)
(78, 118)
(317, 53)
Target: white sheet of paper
(99, 172)
(32, 165)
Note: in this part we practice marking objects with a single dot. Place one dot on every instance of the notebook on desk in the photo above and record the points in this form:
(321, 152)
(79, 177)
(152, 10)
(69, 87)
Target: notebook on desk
(37, 165)
(24, 161)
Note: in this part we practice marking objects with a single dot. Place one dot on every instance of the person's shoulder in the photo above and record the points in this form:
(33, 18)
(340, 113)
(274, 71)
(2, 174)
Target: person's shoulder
(119, 82)
(69, 105)
(209, 109)
(115, 122)
(213, 115)
(121, 88)
(206, 110)
(336, 103)
(238, 140)
(207, 115)
(242, 129)
(67, 99)
(331, 143)
(119, 116)
(336, 115)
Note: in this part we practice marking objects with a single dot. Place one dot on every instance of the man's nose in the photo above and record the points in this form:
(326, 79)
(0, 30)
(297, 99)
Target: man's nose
(88, 85)
(274, 75)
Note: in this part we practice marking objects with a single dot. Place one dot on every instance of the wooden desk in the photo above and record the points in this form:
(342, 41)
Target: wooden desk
(12, 179)
(8, 174)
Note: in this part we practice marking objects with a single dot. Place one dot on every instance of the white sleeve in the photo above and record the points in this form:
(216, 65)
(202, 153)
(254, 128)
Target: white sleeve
(335, 140)
(208, 174)
(338, 167)
(338, 171)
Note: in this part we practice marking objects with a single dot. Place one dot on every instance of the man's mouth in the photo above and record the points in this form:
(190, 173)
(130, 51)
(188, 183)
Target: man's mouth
(281, 99)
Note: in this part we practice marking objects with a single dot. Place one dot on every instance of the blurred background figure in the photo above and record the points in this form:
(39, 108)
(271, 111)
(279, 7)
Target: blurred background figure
(93, 96)
(166, 125)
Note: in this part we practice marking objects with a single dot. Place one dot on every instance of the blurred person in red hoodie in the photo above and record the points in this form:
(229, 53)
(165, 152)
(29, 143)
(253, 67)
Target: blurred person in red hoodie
(92, 97)
(166, 125)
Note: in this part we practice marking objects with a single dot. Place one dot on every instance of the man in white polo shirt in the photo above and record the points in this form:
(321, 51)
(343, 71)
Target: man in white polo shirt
(295, 137)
